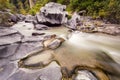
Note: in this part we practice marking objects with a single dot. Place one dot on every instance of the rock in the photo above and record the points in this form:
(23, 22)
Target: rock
(110, 29)
(6, 51)
(20, 17)
(7, 70)
(27, 48)
(40, 60)
(85, 75)
(73, 22)
(26, 29)
(7, 31)
(14, 18)
(50, 72)
(52, 14)
(9, 39)
(52, 42)
(30, 19)
(55, 43)
(33, 39)
(41, 27)
(5, 18)
(3, 62)
(87, 27)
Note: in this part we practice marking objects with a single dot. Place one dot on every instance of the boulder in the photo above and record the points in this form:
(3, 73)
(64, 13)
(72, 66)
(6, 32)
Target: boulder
(52, 14)
(85, 75)
(55, 43)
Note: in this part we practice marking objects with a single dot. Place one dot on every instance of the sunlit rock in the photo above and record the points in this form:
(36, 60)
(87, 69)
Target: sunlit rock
(52, 14)
(7, 70)
(85, 75)
(73, 22)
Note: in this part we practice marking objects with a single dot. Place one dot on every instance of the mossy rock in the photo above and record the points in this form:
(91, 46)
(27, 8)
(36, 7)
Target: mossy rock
(5, 19)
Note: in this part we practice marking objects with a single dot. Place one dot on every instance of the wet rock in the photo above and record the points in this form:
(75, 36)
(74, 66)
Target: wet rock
(52, 14)
(9, 39)
(41, 59)
(85, 75)
(52, 42)
(7, 70)
(41, 27)
(26, 29)
(26, 48)
(73, 22)
(50, 72)
(55, 43)
(6, 51)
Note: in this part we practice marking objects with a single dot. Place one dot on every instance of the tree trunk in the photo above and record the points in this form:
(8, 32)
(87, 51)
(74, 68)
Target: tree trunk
(31, 3)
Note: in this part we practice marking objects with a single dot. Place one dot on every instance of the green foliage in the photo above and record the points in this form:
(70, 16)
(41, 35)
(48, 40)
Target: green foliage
(4, 4)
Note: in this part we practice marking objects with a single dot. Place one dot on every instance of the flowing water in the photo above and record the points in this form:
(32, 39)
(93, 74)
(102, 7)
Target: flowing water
(98, 53)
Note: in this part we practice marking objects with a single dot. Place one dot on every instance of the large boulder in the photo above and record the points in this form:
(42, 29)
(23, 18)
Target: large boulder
(52, 14)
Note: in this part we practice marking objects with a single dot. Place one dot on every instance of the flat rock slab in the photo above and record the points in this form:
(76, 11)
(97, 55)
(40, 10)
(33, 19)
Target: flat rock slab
(7, 70)
(50, 72)
(25, 49)
(9, 39)
(6, 51)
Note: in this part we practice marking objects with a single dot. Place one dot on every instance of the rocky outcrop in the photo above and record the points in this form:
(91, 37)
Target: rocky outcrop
(52, 14)
(73, 22)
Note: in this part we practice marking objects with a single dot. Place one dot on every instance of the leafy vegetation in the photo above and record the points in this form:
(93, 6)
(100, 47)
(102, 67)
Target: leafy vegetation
(104, 9)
